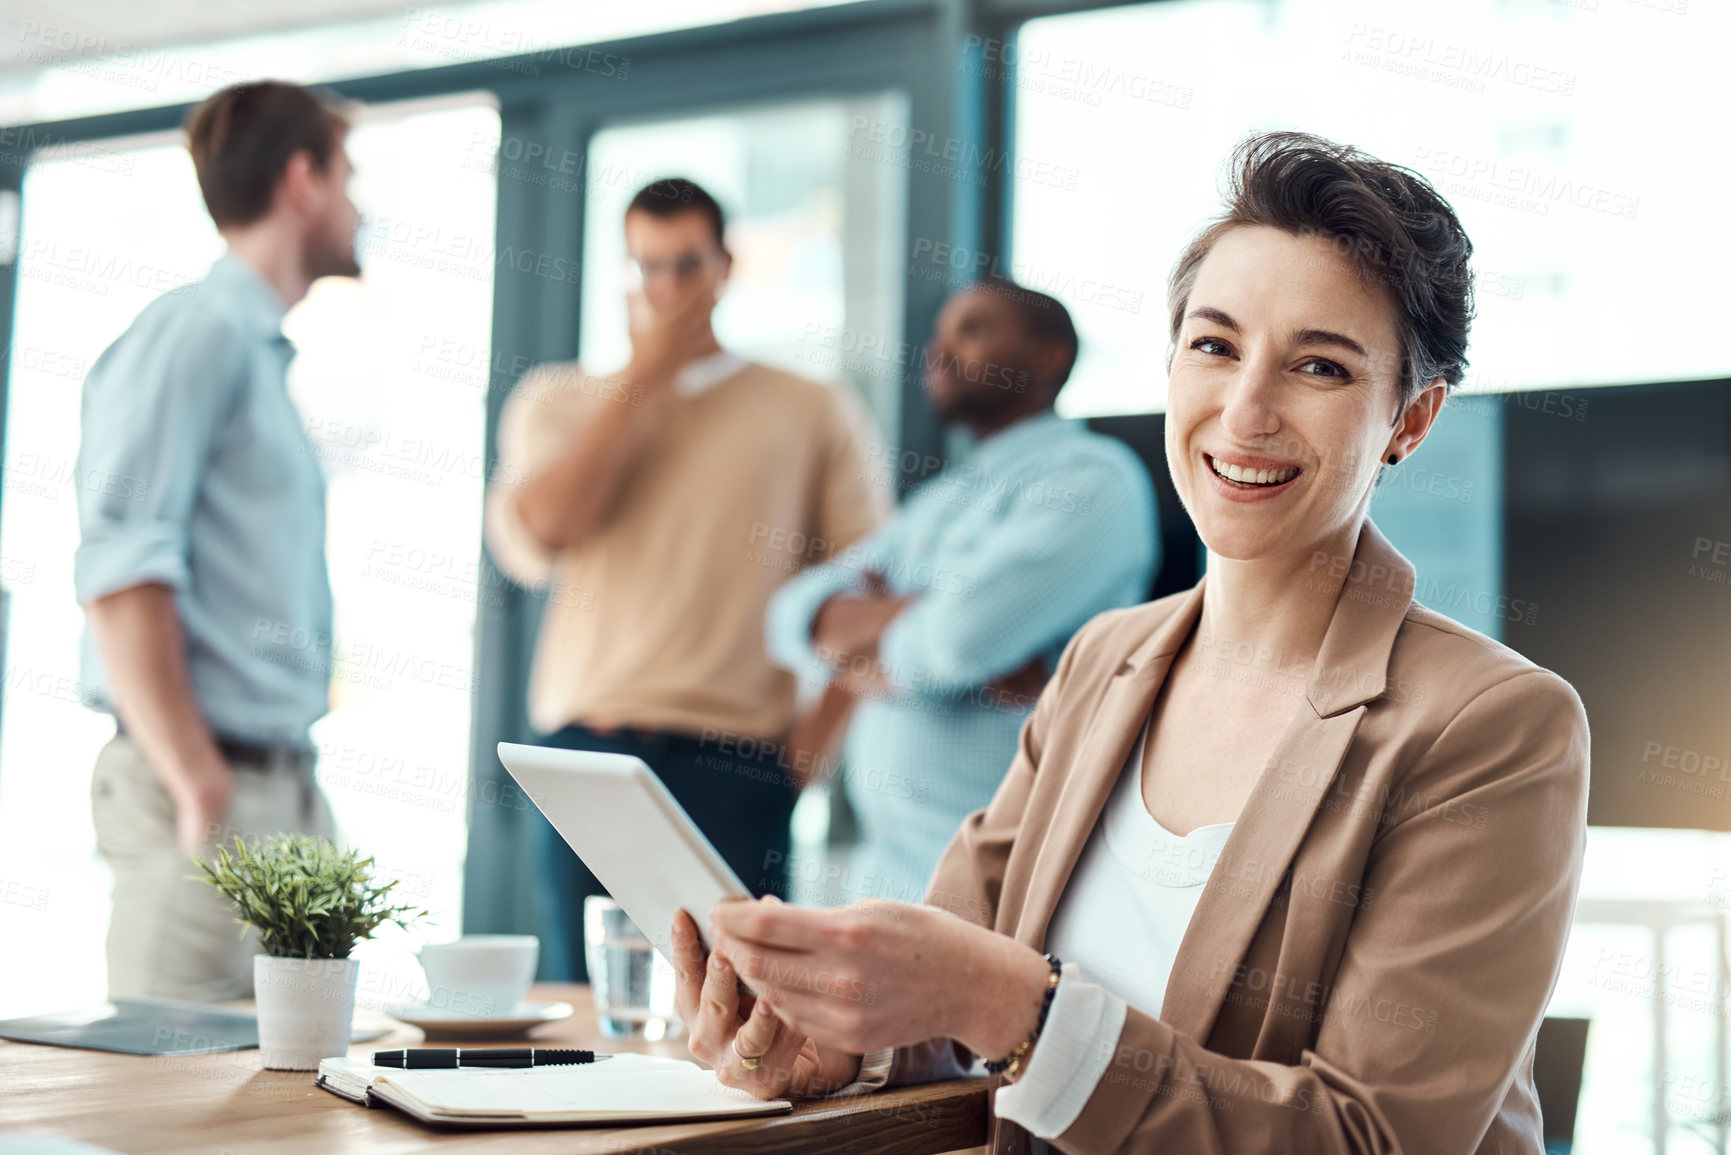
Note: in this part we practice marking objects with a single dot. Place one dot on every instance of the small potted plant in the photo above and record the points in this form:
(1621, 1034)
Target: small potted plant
(310, 903)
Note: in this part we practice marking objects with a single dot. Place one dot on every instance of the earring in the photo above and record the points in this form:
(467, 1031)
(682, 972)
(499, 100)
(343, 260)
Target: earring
(1393, 457)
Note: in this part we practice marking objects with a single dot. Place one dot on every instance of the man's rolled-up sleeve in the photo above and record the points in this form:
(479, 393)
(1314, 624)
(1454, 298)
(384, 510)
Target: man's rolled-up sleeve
(794, 606)
(792, 609)
(154, 407)
(1042, 571)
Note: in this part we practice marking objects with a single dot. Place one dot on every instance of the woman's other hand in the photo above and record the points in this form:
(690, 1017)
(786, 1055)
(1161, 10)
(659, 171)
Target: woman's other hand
(883, 974)
(726, 1026)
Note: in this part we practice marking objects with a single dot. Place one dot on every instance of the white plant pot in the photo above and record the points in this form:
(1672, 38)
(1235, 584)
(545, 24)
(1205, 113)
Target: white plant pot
(305, 1008)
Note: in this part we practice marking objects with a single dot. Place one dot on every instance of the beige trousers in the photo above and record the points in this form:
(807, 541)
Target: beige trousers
(171, 935)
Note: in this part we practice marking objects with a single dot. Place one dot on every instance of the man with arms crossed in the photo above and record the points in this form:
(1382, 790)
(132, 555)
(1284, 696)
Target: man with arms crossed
(944, 624)
(204, 582)
(662, 506)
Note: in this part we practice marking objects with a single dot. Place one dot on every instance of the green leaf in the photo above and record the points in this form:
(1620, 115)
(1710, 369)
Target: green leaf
(307, 898)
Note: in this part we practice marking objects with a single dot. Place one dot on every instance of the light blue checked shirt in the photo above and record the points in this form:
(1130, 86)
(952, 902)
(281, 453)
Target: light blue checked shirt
(1009, 552)
(195, 471)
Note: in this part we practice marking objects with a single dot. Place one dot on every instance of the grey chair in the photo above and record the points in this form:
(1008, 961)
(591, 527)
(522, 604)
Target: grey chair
(1558, 1062)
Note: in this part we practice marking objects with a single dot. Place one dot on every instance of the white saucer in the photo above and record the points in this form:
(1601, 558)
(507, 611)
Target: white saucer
(438, 1023)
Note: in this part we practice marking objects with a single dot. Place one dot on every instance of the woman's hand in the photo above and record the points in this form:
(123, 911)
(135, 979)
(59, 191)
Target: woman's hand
(726, 1025)
(881, 974)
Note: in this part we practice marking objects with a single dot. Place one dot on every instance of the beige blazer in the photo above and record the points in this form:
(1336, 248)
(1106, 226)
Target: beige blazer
(1374, 950)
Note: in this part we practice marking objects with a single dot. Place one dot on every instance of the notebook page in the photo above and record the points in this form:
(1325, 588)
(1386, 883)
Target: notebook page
(646, 1089)
(354, 1076)
(351, 1076)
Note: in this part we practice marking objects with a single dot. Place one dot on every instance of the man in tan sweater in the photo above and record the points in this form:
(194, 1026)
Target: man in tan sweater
(659, 508)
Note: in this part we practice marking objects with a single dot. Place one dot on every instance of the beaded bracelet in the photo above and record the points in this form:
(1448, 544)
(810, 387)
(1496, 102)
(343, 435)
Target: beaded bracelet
(1012, 1063)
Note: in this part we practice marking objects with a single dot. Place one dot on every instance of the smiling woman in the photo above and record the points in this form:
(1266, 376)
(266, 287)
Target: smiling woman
(1316, 328)
(1284, 862)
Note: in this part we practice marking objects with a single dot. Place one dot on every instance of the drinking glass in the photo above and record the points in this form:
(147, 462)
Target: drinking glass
(633, 985)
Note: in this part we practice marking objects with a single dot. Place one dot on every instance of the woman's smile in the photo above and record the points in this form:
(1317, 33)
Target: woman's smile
(1244, 479)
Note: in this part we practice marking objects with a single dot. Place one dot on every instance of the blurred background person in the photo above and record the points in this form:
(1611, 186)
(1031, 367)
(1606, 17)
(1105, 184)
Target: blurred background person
(638, 500)
(937, 632)
(201, 568)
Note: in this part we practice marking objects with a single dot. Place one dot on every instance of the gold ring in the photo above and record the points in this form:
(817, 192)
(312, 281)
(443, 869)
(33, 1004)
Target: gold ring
(750, 1064)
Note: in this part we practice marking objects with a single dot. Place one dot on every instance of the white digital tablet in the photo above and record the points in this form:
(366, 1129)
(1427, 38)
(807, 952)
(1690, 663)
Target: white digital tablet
(628, 830)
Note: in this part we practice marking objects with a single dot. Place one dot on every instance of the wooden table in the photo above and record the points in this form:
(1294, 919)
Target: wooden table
(226, 1103)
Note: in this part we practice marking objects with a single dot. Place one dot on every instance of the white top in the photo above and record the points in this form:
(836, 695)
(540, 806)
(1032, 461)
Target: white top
(1117, 929)
(706, 372)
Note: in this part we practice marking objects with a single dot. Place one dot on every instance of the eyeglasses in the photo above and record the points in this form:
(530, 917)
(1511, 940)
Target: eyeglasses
(679, 268)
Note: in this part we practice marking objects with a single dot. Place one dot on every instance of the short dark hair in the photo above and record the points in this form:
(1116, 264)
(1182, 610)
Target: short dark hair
(1388, 220)
(673, 195)
(1045, 318)
(242, 137)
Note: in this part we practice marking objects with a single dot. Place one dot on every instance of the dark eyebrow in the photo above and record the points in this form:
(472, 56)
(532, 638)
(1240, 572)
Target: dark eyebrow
(1298, 336)
(1327, 337)
(1209, 313)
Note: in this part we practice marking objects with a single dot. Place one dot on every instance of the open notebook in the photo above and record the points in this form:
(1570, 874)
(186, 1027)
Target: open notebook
(621, 1089)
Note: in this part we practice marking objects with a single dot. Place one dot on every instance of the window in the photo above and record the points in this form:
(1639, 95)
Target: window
(1591, 218)
(391, 378)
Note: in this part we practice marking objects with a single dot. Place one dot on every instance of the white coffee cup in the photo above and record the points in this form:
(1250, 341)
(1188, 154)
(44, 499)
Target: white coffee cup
(485, 975)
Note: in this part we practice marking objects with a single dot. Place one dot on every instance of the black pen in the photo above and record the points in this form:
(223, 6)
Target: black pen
(450, 1058)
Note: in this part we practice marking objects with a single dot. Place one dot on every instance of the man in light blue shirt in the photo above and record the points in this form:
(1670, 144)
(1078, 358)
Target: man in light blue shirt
(201, 564)
(941, 627)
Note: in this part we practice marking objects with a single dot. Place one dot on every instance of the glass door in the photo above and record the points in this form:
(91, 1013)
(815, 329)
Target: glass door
(815, 190)
(391, 379)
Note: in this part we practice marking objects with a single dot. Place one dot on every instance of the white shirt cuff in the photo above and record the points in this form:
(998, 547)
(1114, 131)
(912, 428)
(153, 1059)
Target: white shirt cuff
(1068, 1061)
(874, 1071)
